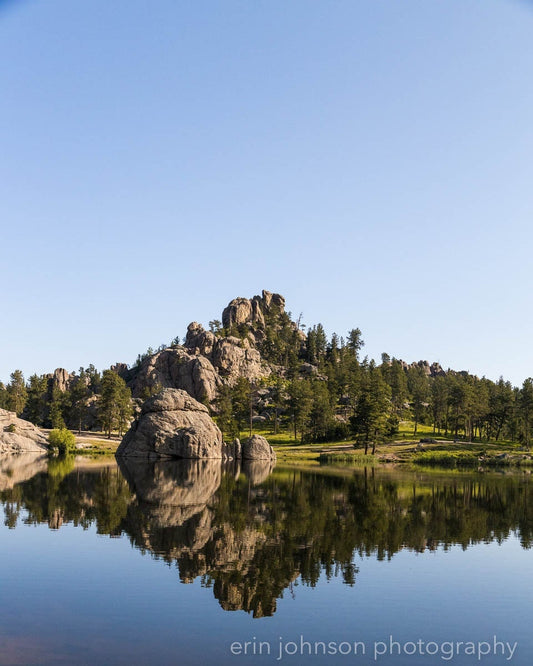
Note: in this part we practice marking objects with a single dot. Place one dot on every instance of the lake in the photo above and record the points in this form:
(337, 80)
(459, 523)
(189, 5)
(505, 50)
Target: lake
(194, 563)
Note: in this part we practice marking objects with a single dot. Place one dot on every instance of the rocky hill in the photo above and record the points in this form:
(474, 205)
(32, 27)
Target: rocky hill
(208, 359)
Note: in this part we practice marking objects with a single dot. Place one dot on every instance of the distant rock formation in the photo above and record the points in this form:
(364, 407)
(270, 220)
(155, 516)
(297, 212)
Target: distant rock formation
(431, 370)
(19, 436)
(60, 379)
(205, 361)
(172, 424)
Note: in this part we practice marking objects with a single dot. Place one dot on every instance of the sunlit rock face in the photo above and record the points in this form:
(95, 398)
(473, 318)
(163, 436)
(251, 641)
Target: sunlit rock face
(172, 424)
(257, 447)
(19, 436)
(206, 360)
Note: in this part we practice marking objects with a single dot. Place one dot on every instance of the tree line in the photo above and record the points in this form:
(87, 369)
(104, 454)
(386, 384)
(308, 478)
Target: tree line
(319, 390)
(91, 400)
(323, 391)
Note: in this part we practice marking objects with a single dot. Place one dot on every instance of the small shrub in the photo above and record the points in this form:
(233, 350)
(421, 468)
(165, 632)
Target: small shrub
(11, 428)
(62, 440)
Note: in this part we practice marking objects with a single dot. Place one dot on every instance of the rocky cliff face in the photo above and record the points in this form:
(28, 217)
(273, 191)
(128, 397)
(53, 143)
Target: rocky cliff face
(431, 370)
(207, 360)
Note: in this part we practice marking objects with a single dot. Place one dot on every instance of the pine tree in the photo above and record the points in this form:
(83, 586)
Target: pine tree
(17, 393)
(36, 405)
(115, 403)
(79, 394)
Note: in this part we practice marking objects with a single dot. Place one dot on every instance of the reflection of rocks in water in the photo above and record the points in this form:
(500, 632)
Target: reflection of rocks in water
(173, 490)
(250, 542)
(258, 471)
(19, 468)
(180, 517)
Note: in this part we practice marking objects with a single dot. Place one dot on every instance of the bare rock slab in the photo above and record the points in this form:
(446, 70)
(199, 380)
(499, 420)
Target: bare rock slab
(172, 424)
(19, 436)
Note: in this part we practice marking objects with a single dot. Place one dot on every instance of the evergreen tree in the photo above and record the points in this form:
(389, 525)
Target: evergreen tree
(79, 395)
(4, 397)
(300, 404)
(526, 409)
(17, 393)
(370, 422)
(355, 342)
(36, 405)
(418, 384)
(224, 412)
(57, 411)
(115, 403)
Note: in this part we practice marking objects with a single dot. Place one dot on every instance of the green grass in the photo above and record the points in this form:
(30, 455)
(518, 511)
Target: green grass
(449, 459)
(97, 447)
(348, 458)
(442, 452)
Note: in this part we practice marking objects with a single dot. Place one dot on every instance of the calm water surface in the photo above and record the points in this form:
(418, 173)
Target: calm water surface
(189, 563)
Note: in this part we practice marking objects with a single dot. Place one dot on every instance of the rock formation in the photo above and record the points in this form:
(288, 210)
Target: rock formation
(206, 360)
(19, 436)
(60, 379)
(176, 368)
(431, 370)
(172, 425)
(256, 447)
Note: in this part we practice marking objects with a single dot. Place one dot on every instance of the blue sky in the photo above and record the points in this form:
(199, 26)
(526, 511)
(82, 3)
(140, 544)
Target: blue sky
(369, 159)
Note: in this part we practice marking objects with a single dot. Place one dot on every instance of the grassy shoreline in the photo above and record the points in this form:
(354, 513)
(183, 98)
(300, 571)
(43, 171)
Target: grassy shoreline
(405, 450)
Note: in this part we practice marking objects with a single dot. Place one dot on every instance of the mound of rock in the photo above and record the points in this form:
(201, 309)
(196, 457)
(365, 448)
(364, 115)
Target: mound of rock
(172, 424)
(257, 447)
(19, 436)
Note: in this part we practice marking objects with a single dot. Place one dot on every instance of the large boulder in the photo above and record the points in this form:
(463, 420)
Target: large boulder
(172, 424)
(256, 447)
(177, 368)
(19, 436)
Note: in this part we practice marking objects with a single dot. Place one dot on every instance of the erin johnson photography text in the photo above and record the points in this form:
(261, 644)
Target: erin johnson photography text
(389, 646)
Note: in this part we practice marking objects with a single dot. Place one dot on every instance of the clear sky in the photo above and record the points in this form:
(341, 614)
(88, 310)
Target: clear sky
(372, 160)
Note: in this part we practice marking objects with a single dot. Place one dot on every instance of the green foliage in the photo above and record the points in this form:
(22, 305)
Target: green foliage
(4, 396)
(16, 393)
(11, 428)
(62, 440)
(151, 390)
(79, 395)
(370, 423)
(57, 406)
(36, 405)
(115, 403)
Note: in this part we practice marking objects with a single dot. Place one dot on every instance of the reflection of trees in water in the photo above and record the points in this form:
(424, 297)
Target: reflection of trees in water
(251, 540)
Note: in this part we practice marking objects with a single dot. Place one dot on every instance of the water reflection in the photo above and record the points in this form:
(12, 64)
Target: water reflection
(250, 533)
